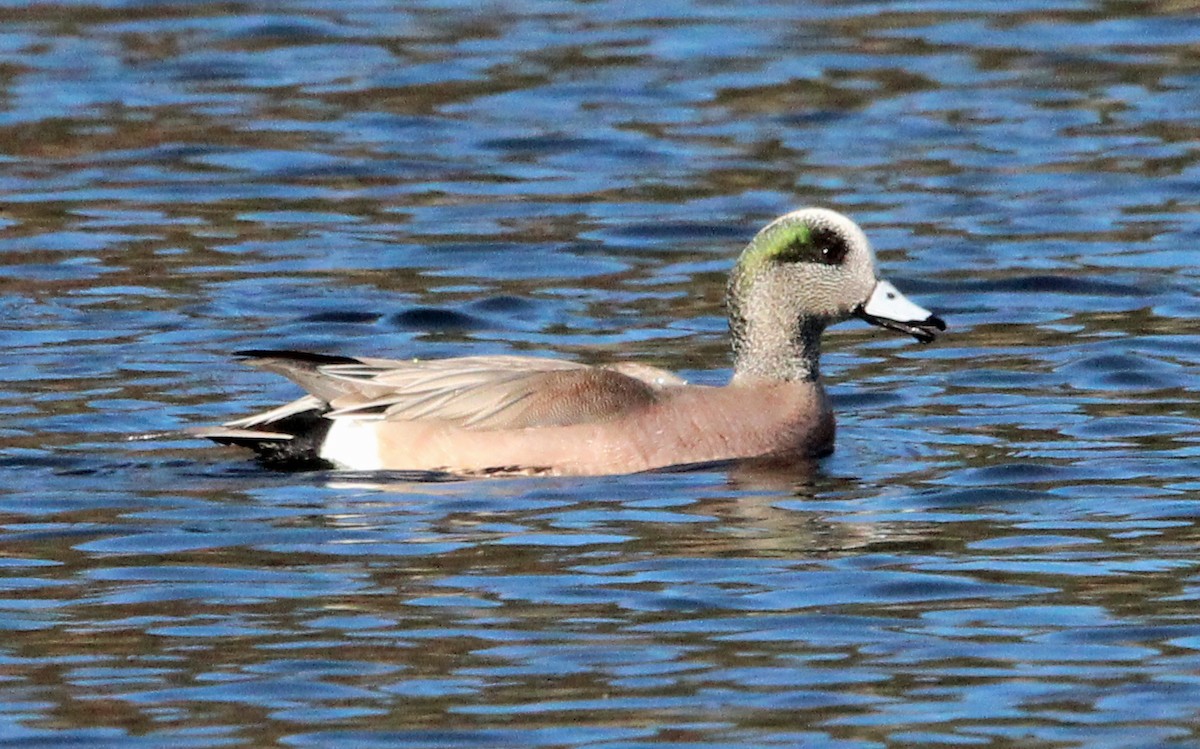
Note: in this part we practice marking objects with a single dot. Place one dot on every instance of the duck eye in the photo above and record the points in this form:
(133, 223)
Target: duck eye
(818, 245)
(832, 246)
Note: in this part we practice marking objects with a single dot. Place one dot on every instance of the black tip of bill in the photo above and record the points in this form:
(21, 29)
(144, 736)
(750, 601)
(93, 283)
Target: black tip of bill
(888, 308)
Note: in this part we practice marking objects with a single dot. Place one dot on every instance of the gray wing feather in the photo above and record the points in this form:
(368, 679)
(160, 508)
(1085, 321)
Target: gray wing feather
(480, 392)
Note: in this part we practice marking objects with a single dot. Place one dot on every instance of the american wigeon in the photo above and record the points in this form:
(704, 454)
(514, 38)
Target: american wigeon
(503, 415)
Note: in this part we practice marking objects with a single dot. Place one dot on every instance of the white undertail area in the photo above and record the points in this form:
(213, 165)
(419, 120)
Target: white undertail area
(352, 444)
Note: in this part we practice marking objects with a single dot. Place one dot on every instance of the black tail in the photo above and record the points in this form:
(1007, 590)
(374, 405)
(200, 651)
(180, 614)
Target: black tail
(298, 447)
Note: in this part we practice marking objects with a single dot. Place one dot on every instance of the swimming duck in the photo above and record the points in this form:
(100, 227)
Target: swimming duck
(517, 415)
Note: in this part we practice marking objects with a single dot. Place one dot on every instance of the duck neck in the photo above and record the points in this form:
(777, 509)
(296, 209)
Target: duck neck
(781, 350)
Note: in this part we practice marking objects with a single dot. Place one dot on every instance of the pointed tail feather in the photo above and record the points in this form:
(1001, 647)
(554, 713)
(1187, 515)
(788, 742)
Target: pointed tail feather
(215, 434)
(304, 369)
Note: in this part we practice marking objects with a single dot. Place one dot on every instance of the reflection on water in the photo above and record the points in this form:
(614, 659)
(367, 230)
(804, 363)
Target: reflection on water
(1001, 552)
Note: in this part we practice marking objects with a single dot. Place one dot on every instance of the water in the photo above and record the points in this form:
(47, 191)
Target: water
(1002, 551)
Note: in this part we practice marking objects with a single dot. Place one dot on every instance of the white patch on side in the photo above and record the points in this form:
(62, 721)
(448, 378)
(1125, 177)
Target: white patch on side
(352, 444)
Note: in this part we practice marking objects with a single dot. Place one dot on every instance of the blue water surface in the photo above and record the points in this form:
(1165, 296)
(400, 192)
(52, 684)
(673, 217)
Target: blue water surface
(1002, 552)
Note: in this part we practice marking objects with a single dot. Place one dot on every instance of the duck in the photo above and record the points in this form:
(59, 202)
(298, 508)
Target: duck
(486, 416)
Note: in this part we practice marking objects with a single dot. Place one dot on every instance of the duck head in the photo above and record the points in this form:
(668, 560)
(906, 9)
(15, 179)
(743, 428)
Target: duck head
(801, 273)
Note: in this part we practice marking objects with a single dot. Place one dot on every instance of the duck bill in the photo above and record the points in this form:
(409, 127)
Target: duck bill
(888, 308)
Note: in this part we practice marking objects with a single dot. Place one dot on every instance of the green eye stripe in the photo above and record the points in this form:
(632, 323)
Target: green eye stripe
(801, 243)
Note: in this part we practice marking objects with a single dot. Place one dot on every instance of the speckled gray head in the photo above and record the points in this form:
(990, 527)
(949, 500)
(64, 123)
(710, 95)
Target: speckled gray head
(802, 272)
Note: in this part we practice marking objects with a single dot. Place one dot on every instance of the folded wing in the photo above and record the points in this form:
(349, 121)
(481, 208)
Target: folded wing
(483, 392)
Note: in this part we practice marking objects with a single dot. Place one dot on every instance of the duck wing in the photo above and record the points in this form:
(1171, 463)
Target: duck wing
(478, 392)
